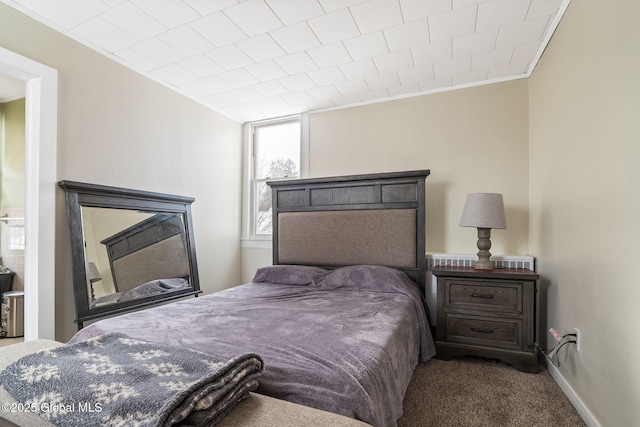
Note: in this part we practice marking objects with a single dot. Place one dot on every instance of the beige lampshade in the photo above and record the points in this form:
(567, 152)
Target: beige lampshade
(483, 210)
(93, 273)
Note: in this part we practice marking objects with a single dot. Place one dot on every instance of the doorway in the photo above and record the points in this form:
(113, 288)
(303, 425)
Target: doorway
(41, 116)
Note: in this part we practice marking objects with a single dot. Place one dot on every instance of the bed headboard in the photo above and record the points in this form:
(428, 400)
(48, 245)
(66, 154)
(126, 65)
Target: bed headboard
(360, 219)
(139, 254)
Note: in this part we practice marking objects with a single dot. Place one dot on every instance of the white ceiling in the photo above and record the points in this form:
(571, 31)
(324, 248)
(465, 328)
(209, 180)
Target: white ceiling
(257, 59)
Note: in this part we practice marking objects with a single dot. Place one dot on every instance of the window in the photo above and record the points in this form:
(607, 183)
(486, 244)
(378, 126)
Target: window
(275, 153)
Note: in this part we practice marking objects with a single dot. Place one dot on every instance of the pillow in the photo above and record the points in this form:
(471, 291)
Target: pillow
(365, 277)
(289, 274)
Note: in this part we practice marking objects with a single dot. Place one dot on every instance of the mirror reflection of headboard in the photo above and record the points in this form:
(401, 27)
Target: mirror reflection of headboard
(130, 248)
(150, 243)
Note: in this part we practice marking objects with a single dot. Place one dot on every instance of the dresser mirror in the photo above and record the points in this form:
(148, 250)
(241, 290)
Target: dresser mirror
(130, 248)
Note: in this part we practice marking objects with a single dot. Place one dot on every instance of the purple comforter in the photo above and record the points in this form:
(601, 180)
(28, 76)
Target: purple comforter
(350, 350)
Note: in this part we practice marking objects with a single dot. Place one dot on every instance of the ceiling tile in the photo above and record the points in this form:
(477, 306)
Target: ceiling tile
(218, 29)
(201, 65)
(394, 61)
(525, 53)
(474, 43)
(253, 17)
(416, 74)
(296, 63)
(230, 57)
(51, 13)
(493, 59)
(452, 68)
(496, 13)
(333, 5)
(303, 10)
(157, 51)
(265, 71)
(297, 98)
(417, 9)
(184, 39)
(366, 46)
(334, 26)
(382, 81)
(324, 92)
(80, 9)
(351, 99)
(434, 52)
(541, 8)
(169, 13)
(525, 33)
(255, 58)
(459, 4)
(474, 77)
(133, 21)
(297, 82)
(374, 15)
(408, 35)
(295, 38)
(352, 87)
(260, 48)
(173, 74)
(373, 95)
(206, 7)
(435, 84)
(271, 88)
(100, 32)
(456, 23)
(508, 71)
(359, 69)
(238, 78)
(403, 90)
(326, 76)
(330, 55)
(246, 94)
(135, 60)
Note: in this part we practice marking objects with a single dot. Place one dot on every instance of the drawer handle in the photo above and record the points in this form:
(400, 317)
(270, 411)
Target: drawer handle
(483, 330)
(474, 295)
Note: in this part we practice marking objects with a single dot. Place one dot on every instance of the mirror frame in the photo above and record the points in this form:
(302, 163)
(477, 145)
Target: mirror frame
(78, 195)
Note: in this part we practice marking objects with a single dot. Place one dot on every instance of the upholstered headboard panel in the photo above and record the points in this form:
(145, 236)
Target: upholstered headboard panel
(363, 219)
(381, 237)
(150, 263)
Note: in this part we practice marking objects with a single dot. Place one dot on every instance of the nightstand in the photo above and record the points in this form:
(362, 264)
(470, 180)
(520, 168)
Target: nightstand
(487, 313)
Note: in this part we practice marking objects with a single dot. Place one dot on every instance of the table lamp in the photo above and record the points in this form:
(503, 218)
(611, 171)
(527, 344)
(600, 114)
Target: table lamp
(484, 211)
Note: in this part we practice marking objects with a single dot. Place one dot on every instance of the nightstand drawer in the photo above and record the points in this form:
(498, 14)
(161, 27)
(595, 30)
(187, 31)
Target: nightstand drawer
(475, 295)
(485, 331)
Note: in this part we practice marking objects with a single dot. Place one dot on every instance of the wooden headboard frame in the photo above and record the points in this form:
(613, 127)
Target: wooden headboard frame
(347, 220)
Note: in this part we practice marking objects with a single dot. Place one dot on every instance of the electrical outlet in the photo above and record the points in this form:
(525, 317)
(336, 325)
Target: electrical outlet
(577, 332)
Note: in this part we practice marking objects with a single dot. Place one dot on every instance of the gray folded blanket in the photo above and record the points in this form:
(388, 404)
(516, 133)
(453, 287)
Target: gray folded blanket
(113, 380)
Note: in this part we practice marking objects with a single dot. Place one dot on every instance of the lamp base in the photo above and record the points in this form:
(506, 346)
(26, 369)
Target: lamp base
(484, 244)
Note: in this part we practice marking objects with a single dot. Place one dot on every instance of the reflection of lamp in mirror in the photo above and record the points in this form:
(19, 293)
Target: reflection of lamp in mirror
(94, 276)
(484, 211)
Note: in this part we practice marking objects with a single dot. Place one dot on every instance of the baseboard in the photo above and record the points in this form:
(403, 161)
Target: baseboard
(586, 415)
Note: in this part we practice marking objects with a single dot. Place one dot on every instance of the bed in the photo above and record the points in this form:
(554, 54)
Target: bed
(339, 318)
(254, 411)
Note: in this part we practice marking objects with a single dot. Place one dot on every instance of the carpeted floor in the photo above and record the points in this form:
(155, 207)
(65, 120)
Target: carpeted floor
(473, 392)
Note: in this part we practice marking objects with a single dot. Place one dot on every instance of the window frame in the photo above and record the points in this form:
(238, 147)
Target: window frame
(249, 237)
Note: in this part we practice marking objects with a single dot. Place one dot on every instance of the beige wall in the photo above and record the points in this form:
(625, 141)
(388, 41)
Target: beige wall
(118, 128)
(13, 155)
(472, 140)
(585, 148)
